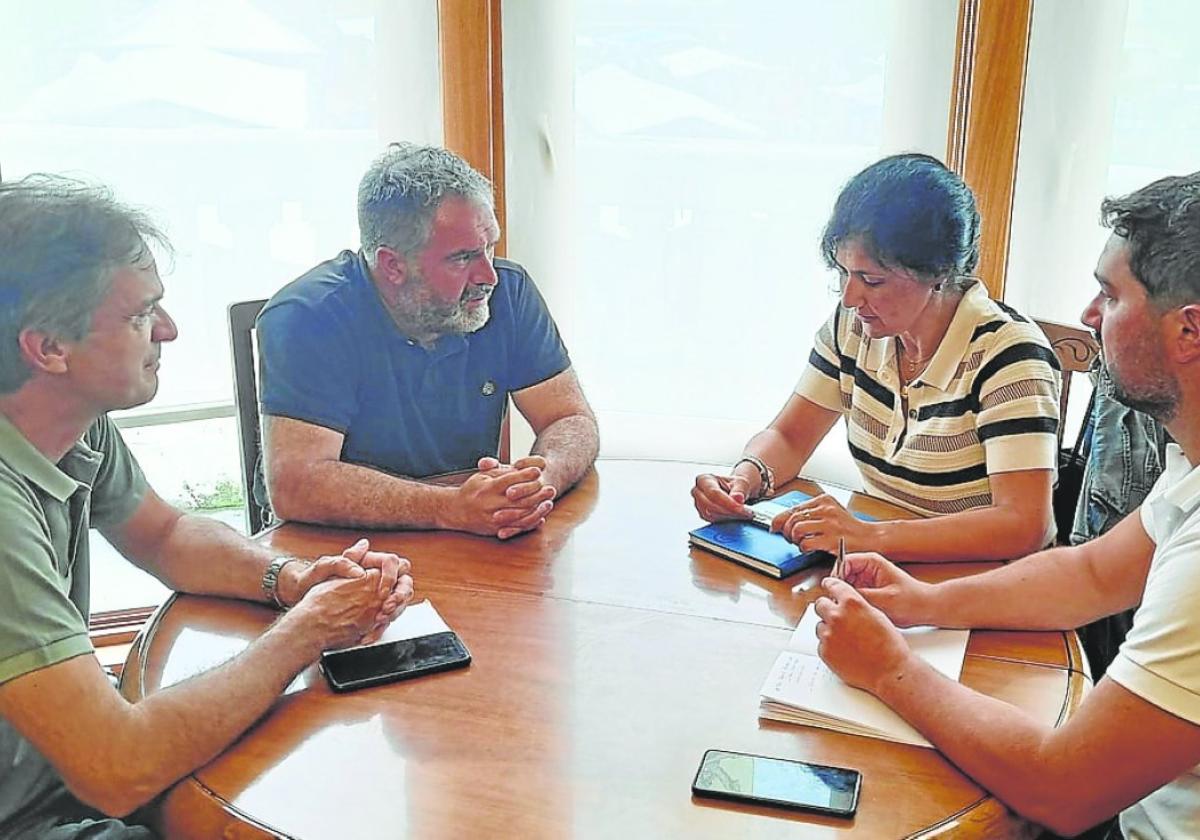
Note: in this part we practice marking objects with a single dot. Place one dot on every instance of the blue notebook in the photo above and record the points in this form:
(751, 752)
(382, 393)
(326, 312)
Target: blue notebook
(751, 544)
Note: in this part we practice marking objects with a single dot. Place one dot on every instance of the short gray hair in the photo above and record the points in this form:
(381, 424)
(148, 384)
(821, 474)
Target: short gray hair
(401, 191)
(60, 242)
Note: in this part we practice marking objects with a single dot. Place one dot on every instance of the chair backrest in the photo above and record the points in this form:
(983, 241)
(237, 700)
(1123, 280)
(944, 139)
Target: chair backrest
(1076, 349)
(245, 400)
(505, 447)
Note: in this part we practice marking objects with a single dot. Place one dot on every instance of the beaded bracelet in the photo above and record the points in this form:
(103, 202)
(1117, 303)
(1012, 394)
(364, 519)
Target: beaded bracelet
(766, 485)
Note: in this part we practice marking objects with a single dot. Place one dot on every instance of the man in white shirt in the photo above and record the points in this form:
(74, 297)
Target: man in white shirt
(1134, 744)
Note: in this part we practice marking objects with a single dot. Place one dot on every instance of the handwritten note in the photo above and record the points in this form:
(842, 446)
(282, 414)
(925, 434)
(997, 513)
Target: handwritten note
(801, 689)
(941, 648)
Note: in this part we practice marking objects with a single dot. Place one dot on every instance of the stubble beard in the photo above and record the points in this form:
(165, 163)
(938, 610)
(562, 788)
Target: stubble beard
(415, 313)
(1156, 395)
(1159, 405)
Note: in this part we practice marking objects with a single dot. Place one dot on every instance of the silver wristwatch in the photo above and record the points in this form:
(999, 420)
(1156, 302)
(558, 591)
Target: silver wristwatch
(270, 579)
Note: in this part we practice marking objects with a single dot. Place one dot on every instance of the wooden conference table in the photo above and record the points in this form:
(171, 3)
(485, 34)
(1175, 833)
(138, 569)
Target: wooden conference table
(607, 658)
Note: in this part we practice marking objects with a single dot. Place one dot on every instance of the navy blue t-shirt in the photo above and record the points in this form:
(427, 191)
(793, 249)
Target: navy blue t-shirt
(330, 354)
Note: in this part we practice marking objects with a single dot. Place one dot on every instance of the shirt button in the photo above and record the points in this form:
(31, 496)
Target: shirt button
(912, 413)
(411, 343)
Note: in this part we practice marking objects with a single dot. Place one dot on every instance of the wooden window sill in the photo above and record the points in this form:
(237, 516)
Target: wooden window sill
(113, 632)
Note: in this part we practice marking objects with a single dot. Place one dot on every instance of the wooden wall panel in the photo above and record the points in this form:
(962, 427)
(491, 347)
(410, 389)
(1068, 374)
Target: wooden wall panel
(985, 118)
(470, 36)
(473, 89)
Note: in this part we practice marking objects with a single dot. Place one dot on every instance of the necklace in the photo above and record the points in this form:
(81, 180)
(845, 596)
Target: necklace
(909, 368)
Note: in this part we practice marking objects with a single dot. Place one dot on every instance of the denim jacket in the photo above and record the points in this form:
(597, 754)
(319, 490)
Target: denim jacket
(1125, 457)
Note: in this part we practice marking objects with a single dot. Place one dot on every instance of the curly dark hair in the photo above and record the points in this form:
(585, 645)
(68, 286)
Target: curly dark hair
(1161, 226)
(909, 212)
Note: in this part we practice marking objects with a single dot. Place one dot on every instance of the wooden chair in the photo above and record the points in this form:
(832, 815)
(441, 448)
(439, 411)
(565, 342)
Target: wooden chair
(245, 400)
(1076, 349)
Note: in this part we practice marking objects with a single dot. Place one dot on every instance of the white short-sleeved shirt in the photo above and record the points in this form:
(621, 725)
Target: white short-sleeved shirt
(987, 403)
(1160, 659)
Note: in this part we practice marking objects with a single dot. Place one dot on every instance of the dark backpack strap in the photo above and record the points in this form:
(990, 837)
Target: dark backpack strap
(1089, 424)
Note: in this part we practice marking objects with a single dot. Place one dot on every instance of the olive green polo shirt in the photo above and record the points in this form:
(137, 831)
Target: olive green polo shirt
(45, 512)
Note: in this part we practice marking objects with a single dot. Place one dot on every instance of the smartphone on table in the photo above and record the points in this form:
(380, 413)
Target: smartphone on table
(778, 781)
(385, 662)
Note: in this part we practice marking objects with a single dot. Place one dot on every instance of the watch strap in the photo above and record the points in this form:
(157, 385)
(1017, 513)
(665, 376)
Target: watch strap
(270, 579)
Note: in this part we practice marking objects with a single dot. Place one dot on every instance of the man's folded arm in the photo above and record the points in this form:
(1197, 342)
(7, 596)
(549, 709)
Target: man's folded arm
(116, 755)
(308, 482)
(179, 550)
(567, 434)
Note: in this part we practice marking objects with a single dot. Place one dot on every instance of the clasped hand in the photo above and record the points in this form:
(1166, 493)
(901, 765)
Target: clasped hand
(365, 590)
(504, 500)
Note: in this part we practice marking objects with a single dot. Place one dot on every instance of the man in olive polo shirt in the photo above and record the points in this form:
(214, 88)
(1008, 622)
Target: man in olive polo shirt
(81, 330)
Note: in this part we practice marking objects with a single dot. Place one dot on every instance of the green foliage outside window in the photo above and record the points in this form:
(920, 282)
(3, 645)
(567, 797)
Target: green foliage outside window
(224, 494)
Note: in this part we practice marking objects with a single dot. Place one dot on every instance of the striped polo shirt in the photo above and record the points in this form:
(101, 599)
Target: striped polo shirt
(986, 403)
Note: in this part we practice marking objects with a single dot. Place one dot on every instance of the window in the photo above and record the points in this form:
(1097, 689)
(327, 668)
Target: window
(707, 144)
(1112, 102)
(243, 126)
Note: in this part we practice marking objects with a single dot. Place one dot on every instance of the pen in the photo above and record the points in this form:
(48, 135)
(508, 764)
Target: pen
(841, 558)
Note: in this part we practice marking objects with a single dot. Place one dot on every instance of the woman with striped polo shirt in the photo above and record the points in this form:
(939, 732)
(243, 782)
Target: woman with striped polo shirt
(950, 398)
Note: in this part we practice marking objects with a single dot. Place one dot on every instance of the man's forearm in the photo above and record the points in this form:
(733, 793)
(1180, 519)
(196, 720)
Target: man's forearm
(569, 445)
(338, 493)
(1056, 589)
(171, 733)
(993, 742)
(206, 557)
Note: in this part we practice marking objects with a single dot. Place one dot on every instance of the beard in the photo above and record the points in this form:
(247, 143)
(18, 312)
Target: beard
(1156, 394)
(416, 312)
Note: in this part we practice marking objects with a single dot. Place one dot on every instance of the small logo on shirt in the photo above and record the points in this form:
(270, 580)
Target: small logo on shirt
(489, 388)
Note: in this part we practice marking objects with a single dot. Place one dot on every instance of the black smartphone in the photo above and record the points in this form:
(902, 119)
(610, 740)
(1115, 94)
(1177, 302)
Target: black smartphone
(778, 781)
(346, 670)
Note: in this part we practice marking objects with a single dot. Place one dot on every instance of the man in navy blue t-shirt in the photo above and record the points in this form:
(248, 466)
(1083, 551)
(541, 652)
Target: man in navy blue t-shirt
(395, 364)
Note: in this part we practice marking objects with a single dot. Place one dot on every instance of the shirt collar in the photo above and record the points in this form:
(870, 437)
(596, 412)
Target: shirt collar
(880, 352)
(443, 345)
(952, 348)
(22, 457)
(1183, 480)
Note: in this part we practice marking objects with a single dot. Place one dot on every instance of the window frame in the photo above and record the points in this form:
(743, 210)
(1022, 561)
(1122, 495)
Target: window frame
(982, 142)
(983, 138)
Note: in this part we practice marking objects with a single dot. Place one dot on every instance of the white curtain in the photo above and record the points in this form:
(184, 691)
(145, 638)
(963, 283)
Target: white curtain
(669, 168)
(1112, 103)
